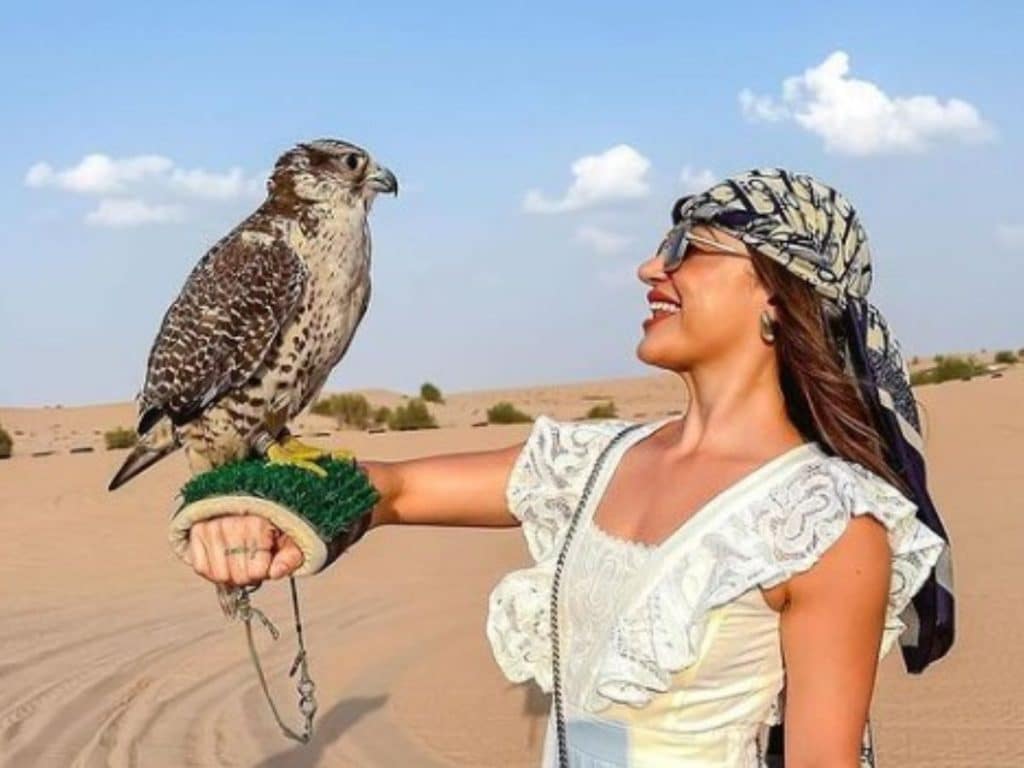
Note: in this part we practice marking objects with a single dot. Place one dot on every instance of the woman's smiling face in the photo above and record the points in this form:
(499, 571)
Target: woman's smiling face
(706, 308)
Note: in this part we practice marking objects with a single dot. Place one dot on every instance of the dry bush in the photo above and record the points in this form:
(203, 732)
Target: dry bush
(6, 444)
(413, 415)
(603, 411)
(430, 394)
(119, 438)
(947, 368)
(506, 413)
(350, 409)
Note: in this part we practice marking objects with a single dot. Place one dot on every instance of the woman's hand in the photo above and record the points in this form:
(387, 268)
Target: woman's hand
(240, 550)
(455, 489)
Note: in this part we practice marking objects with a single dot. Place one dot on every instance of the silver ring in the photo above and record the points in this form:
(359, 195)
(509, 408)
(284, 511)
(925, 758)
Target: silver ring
(245, 550)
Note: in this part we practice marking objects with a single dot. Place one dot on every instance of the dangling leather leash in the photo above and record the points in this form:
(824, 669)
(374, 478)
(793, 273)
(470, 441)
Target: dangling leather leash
(245, 611)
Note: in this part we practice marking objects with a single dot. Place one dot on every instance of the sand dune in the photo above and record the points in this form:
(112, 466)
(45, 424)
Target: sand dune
(113, 654)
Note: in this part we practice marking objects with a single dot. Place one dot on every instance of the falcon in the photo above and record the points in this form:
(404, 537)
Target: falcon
(263, 317)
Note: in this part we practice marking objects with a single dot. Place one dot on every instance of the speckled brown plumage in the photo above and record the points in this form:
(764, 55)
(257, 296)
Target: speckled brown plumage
(218, 332)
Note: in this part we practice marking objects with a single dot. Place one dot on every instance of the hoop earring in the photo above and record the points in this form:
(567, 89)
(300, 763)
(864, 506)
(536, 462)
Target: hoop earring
(767, 328)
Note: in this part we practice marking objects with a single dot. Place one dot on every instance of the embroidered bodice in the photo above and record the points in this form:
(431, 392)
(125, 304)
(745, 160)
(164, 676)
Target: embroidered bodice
(593, 599)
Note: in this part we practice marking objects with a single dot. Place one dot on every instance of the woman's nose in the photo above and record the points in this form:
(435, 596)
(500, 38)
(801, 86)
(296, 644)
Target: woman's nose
(652, 270)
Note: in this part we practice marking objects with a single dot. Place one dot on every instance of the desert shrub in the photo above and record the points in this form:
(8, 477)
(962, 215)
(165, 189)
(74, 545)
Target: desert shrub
(506, 413)
(954, 367)
(603, 411)
(917, 378)
(119, 437)
(350, 409)
(430, 394)
(381, 415)
(948, 368)
(412, 415)
(323, 407)
(6, 444)
(1006, 356)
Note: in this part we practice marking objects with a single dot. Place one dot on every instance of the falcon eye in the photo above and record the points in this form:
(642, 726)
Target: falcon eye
(352, 161)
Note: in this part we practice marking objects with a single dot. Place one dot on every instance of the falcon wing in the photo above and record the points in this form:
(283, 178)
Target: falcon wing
(218, 331)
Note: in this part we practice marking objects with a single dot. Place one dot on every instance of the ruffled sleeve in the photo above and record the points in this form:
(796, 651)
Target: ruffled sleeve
(821, 504)
(547, 477)
(783, 530)
(543, 490)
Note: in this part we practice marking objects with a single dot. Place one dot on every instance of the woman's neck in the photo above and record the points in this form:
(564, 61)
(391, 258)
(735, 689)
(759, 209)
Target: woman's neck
(736, 410)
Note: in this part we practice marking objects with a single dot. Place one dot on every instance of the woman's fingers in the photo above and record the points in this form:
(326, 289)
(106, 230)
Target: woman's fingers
(216, 545)
(287, 558)
(197, 556)
(238, 550)
(261, 537)
(224, 549)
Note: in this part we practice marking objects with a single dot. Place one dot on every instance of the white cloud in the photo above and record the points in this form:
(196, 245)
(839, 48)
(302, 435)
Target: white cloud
(761, 108)
(211, 185)
(857, 117)
(1011, 236)
(615, 174)
(601, 240)
(102, 174)
(131, 178)
(39, 175)
(120, 213)
(98, 173)
(692, 180)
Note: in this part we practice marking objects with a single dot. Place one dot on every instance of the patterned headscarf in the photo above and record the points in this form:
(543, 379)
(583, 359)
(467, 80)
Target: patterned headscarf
(813, 231)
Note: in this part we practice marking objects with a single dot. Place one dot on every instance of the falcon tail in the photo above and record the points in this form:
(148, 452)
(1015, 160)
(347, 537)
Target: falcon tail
(158, 442)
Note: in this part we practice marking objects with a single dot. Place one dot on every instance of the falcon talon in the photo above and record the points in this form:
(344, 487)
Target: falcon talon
(300, 450)
(281, 455)
(309, 466)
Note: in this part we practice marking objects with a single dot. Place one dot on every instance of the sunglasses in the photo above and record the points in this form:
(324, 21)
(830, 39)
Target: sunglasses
(676, 248)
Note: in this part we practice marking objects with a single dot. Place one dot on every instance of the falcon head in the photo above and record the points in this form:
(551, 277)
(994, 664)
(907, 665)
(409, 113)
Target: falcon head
(330, 171)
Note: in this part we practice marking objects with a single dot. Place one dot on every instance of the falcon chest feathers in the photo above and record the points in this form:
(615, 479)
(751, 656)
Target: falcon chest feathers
(264, 316)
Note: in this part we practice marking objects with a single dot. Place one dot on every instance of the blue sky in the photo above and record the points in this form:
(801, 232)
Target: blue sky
(474, 107)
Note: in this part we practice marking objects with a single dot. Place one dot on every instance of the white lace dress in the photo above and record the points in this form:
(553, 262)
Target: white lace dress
(670, 656)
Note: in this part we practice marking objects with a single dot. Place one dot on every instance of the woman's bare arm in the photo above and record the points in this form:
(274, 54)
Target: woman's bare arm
(464, 489)
(831, 630)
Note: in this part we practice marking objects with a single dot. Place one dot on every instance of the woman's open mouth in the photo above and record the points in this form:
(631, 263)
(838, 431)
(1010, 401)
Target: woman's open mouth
(662, 306)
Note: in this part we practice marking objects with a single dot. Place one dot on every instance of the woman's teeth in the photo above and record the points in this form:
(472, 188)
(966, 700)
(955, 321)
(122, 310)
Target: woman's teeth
(663, 306)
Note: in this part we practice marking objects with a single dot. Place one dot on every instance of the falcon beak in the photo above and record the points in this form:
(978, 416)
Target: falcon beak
(382, 180)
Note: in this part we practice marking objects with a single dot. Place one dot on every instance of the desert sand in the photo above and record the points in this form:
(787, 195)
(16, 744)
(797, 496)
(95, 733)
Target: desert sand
(113, 653)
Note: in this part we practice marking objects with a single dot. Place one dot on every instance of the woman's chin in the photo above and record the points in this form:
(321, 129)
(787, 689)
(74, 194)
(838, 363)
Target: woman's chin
(660, 355)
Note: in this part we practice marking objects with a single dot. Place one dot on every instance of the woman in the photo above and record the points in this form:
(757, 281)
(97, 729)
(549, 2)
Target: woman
(752, 558)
